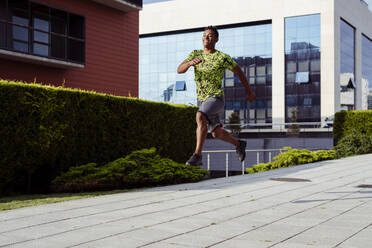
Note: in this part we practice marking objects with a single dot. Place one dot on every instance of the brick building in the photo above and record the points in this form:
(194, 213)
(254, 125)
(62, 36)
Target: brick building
(87, 44)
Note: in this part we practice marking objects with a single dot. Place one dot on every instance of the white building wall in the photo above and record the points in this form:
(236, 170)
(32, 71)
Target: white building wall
(178, 15)
(358, 15)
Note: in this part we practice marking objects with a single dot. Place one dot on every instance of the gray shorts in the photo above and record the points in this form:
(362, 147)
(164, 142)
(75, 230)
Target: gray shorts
(212, 109)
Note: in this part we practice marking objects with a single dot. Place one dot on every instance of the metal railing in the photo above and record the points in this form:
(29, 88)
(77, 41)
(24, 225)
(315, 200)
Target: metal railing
(270, 151)
(279, 127)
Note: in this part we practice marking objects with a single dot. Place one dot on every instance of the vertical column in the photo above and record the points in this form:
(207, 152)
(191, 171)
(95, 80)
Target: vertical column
(330, 62)
(358, 69)
(278, 72)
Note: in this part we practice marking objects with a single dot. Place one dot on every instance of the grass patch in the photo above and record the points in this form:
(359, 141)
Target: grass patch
(21, 201)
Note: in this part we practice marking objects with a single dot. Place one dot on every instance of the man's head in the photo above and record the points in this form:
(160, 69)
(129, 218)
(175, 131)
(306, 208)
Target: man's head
(210, 37)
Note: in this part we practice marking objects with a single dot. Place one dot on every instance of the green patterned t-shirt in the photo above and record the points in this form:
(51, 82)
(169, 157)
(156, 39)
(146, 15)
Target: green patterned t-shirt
(209, 73)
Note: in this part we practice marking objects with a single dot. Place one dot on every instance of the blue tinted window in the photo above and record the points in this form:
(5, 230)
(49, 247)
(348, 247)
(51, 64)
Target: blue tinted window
(347, 65)
(366, 73)
(302, 59)
(250, 46)
(229, 105)
(260, 104)
(180, 85)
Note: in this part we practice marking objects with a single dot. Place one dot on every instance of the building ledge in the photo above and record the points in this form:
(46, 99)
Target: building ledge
(28, 58)
(123, 5)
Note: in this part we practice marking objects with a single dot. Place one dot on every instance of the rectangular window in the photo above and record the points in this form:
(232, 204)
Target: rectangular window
(302, 77)
(58, 21)
(58, 48)
(180, 85)
(229, 78)
(76, 26)
(40, 49)
(347, 65)
(291, 66)
(3, 30)
(302, 58)
(20, 33)
(229, 82)
(75, 50)
(40, 30)
(366, 72)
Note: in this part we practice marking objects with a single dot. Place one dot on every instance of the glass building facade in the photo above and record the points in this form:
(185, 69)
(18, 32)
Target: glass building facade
(366, 73)
(347, 66)
(159, 59)
(302, 68)
(250, 46)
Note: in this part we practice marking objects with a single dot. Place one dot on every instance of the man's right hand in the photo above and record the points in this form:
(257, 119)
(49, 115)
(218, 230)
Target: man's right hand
(195, 61)
(185, 65)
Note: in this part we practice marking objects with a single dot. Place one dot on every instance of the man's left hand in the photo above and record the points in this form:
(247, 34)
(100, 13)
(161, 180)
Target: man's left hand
(250, 96)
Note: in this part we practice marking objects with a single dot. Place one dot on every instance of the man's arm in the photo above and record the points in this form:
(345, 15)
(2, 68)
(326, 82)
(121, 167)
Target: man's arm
(250, 96)
(185, 65)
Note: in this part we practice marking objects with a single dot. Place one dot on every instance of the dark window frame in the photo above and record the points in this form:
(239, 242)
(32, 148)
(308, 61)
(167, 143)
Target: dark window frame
(64, 39)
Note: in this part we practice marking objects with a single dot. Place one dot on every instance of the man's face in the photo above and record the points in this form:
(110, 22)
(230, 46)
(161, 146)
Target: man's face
(209, 39)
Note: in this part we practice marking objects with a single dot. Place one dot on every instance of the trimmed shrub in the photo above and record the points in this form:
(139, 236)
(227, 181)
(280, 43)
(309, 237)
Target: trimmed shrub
(354, 144)
(140, 168)
(46, 130)
(293, 157)
(347, 121)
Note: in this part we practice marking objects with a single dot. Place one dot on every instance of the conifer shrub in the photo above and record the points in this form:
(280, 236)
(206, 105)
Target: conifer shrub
(138, 169)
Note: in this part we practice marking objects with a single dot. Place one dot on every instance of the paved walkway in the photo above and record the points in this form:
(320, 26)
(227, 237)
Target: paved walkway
(328, 210)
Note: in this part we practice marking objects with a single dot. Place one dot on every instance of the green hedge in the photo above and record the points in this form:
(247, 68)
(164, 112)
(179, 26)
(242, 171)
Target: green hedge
(46, 130)
(354, 144)
(346, 121)
(293, 157)
(140, 168)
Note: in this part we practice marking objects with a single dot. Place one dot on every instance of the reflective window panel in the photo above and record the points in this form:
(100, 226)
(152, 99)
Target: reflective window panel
(366, 73)
(347, 66)
(250, 46)
(302, 68)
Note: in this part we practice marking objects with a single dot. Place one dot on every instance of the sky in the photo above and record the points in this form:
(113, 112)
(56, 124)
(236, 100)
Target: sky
(155, 1)
(369, 4)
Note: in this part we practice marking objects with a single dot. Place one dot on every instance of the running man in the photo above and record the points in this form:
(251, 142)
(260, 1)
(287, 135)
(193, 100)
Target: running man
(209, 67)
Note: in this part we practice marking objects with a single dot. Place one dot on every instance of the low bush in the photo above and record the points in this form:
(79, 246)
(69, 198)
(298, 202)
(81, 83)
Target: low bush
(354, 144)
(139, 168)
(293, 157)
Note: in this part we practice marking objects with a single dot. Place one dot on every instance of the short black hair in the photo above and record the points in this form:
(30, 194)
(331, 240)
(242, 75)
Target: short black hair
(214, 30)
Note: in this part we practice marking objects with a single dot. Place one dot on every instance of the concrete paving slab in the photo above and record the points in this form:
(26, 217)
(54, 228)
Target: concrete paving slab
(241, 211)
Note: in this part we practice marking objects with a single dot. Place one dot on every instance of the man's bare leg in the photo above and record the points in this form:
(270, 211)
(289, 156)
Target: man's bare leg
(240, 145)
(222, 134)
(201, 132)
